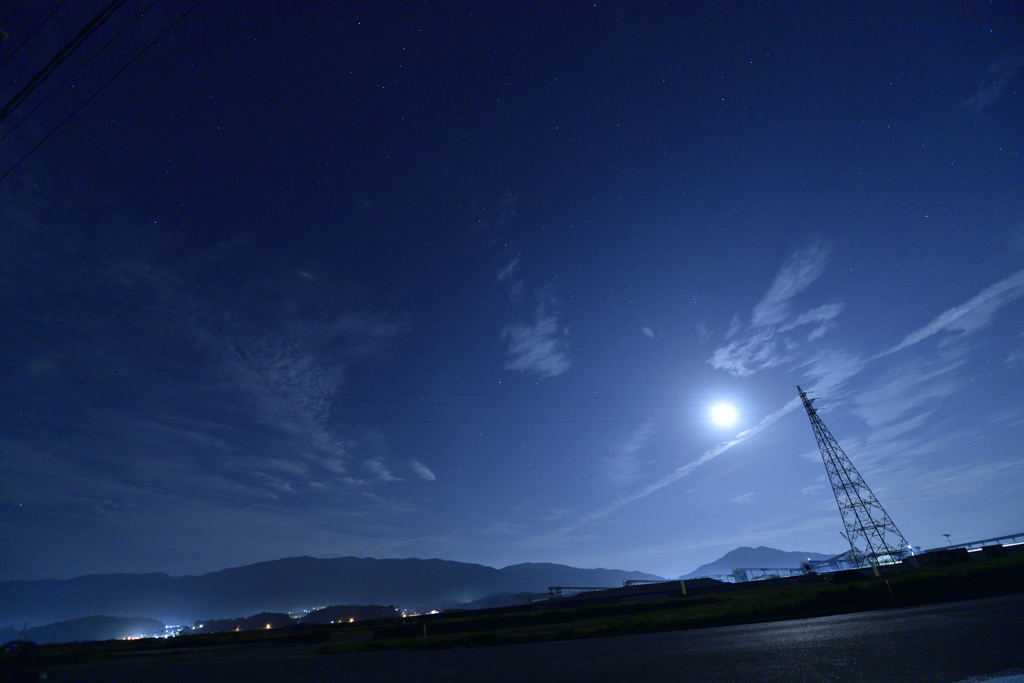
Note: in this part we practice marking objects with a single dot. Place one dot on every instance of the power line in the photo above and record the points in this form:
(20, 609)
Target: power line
(417, 392)
(91, 27)
(99, 90)
(202, 411)
(76, 71)
(34, 31)
(739, 398)
(429, 397)
(411, 420)
(177, 377)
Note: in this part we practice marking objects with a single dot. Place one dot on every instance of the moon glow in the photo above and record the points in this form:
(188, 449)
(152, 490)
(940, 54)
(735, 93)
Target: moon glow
(723, 414)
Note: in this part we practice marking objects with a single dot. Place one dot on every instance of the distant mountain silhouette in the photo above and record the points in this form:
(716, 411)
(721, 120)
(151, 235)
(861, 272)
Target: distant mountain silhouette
(499, 600)
(759, 557)
(345, 613)
(257, 622)
(286, 585)
(87, 628)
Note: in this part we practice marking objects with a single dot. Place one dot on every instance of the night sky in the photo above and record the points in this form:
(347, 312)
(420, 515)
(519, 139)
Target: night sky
(466, 282)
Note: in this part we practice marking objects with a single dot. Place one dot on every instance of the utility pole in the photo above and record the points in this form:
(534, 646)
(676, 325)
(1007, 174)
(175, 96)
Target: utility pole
(872, 535)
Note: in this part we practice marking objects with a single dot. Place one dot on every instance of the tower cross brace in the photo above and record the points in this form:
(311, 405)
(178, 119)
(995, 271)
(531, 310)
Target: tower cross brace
(872, 534)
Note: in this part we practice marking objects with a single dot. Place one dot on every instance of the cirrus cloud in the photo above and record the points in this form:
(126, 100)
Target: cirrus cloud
(762, 345)
(421, 471)
(540, 345)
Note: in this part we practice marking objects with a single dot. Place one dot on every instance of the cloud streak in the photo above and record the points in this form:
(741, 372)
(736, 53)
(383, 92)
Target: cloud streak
(421, 470)
(996, 78)
(622, 466)
(968, 317)
(508, 271)
(796, 275)
(763, 344)
(689, 467)
(540, 345)
(380, 470)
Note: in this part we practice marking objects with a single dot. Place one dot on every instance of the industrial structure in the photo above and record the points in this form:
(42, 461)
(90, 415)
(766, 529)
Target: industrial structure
(873, 536)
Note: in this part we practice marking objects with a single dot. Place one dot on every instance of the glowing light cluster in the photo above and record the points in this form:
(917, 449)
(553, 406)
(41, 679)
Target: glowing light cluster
(723, 414)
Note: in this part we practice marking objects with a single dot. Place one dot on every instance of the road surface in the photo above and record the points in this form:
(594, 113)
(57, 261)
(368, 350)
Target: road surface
(949, 642)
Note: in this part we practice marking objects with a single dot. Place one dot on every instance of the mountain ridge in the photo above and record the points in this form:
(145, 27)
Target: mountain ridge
(759, 557)
(85, 629)
(285, 585)
(304, 582)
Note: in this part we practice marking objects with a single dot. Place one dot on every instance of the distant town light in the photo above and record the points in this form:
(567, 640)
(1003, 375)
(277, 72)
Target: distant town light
(351, 619)
(268, 625)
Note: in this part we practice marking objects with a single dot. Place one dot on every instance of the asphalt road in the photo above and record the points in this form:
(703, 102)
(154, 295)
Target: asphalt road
(949, 642)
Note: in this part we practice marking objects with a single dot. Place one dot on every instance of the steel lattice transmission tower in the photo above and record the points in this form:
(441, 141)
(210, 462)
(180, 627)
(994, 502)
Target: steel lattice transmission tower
(873, 537)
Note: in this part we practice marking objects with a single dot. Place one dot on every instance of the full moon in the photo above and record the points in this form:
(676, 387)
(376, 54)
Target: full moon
(723, 415)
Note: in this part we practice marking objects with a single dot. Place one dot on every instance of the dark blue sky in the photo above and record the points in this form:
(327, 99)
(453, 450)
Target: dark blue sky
(465, 282)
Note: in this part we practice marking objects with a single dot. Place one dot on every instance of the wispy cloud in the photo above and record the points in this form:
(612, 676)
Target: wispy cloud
(968, 317)
(508, 271)
(744, 499)
(757, 350)
(796, 275)
(421, 470)
(689, 467)
(513, 285)
(819, 485)
(898, 429)
(301, 364)
(762, 344)
(912, 385)
(735, 325)
(823, 317)
(540, 345)
(267, 353)
(947, 482)
(996, 77)
(276, 483)
(828, 369)
(290, 466)
(380, 470)
(648, 331)
(622, 465)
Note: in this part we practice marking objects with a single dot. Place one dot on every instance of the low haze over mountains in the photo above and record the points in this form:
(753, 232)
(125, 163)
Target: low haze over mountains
(86, 628)
(283, 586)
(751, 558)
(299, 583)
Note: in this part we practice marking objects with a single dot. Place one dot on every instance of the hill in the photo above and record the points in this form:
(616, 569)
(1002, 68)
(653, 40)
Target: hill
(87, 628)
(286, 585)
(758, 557)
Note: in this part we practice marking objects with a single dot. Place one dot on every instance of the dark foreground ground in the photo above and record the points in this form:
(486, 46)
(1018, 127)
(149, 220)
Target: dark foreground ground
(947, 642)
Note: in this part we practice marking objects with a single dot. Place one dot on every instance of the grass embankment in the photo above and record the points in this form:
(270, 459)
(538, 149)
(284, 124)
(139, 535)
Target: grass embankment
(755, 603)
(974, 580)
(62, 654)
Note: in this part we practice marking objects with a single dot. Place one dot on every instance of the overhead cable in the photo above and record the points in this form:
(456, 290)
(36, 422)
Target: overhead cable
(737, 395)
(94, 24)
(99, 90)
(29, 36)
(76, 71)
(351, 418)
